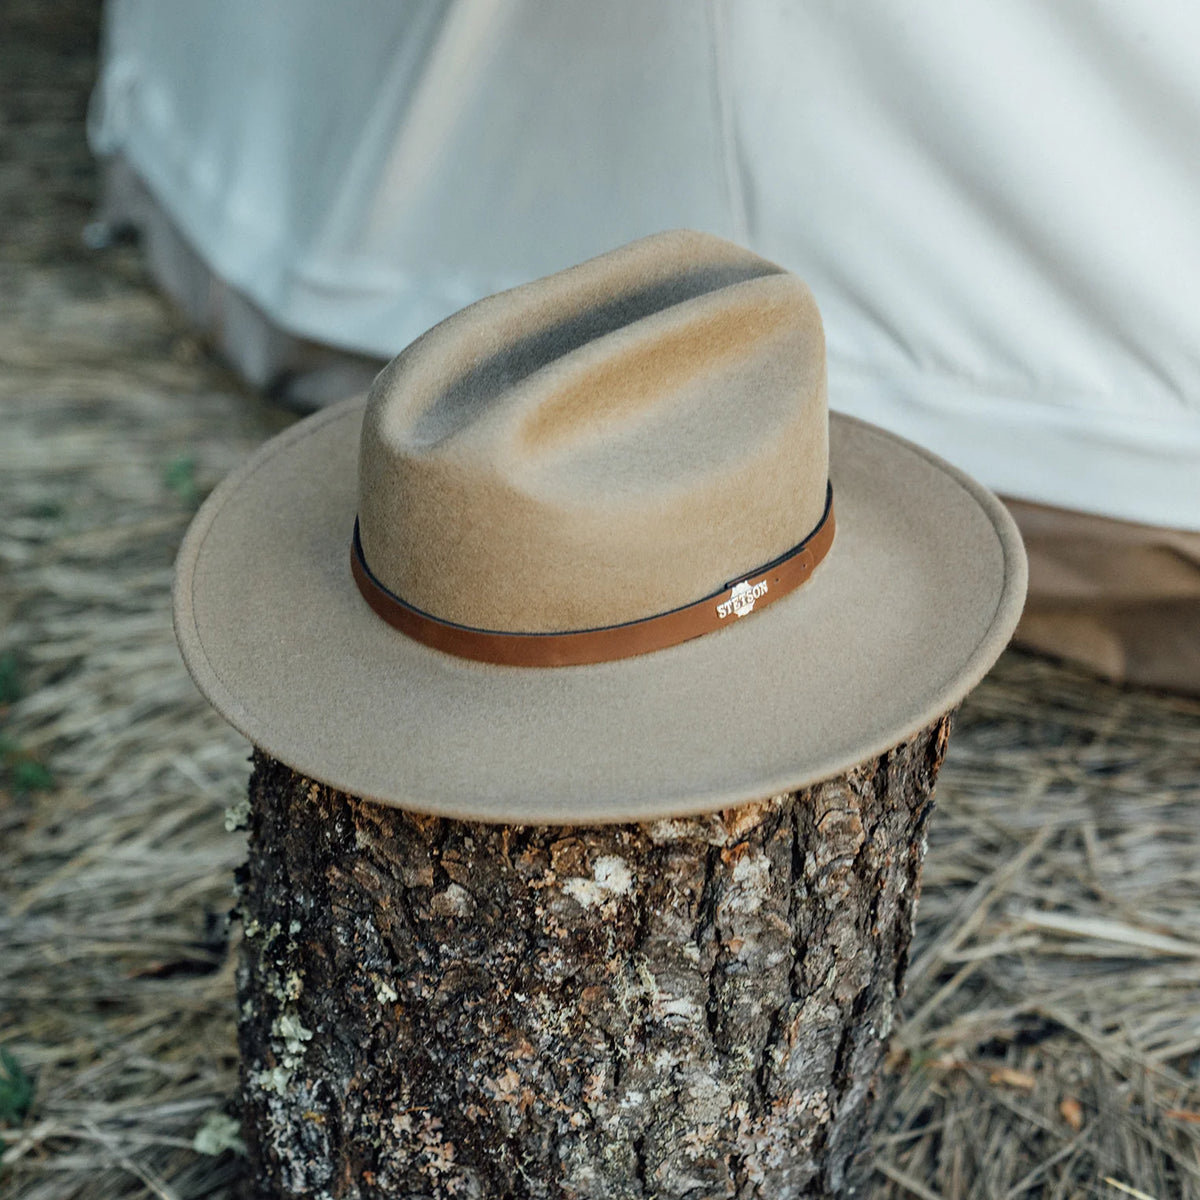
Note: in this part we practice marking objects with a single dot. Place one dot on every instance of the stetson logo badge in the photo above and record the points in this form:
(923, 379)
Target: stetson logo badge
(741, 599)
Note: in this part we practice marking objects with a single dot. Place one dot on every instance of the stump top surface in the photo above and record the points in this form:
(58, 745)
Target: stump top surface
(915, 601)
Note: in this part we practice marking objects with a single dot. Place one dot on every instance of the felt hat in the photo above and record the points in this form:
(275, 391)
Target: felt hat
(594, 549)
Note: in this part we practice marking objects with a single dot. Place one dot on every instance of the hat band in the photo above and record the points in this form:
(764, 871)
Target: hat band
(737, 599)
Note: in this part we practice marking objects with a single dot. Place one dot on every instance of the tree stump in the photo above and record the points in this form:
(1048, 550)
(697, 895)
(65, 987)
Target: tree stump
(693, 1007)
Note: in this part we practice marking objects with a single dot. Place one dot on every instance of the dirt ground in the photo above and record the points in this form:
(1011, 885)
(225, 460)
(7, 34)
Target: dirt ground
(1050, 1044)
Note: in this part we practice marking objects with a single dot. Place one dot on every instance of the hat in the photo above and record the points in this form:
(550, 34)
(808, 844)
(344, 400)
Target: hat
(594, 549)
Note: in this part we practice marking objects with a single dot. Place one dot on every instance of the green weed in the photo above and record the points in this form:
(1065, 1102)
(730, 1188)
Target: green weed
(179, 476)
(16, 1090)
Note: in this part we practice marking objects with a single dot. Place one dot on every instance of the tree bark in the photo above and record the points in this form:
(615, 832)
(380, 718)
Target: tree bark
(687, 1008)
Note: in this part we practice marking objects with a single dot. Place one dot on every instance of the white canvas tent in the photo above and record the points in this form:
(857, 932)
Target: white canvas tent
(997, 205)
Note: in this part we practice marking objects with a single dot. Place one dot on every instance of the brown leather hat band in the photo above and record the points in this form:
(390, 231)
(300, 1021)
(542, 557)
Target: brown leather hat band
(746, 594)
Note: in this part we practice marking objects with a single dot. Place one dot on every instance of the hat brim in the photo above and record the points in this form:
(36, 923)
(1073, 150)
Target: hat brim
(916, 599)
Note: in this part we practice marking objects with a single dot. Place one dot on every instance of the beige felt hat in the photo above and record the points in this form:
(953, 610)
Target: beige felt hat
(593, 550)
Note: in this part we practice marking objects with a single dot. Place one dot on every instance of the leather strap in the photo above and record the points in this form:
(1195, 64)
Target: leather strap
(738, 598)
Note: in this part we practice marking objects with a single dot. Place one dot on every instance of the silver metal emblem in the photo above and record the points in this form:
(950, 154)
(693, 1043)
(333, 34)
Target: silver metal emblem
(741, 599)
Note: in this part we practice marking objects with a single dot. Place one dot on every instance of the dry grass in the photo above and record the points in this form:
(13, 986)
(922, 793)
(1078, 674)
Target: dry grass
(1052, 1040)
(1052, 1035)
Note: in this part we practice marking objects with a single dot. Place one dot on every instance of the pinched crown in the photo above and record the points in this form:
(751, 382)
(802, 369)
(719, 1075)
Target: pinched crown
(601, 445)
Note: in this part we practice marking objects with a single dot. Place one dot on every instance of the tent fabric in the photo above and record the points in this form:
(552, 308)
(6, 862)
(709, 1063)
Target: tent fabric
(994, 203)
(1121, 599)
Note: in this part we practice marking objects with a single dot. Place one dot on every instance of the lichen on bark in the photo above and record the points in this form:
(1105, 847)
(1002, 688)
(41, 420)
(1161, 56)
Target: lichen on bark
(691, 1008)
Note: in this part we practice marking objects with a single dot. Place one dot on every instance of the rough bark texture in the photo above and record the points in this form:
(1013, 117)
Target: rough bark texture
(690, 1008)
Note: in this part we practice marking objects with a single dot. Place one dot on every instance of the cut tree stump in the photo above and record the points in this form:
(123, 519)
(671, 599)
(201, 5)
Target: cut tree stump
(695, 1007)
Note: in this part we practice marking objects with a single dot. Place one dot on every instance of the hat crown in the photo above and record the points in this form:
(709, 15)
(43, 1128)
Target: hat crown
(599, 446)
